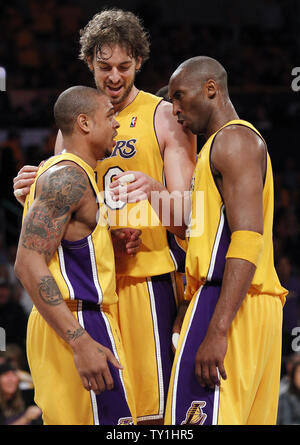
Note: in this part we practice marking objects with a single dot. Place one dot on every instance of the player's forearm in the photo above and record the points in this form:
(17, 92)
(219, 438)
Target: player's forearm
(170, 208)
(38, 281)
(237, 279)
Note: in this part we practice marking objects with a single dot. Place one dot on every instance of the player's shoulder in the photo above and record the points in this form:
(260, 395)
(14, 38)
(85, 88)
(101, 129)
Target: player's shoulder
(239, 140)
(64, 177)
(65, 169)
(165, 118)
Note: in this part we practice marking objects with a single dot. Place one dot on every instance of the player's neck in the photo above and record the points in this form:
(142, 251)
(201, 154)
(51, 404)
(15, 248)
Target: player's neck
(220, 117)
(81, 149)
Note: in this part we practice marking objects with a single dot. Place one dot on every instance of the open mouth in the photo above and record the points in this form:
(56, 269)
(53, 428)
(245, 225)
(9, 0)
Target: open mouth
(114, 91)
(182, 122)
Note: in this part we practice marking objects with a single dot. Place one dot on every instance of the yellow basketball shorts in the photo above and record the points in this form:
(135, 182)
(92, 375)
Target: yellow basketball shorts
(146, 311)
(58, 388)
(249, 395)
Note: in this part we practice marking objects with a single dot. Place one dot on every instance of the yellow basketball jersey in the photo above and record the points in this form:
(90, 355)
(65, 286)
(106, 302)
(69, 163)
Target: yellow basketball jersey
(209, 234)
(137, 149)
(83, 269)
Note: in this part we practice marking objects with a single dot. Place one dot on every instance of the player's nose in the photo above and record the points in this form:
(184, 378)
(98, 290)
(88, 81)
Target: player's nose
(176, 109)
(114, 76)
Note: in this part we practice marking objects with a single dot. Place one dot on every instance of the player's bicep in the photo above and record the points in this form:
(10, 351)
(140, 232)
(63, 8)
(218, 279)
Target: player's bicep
(178, 149)
(240, 165)
(41, 232)
(58, 194)
(179, 165)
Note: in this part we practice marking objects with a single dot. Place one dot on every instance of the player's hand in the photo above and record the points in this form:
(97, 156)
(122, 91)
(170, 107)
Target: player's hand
(126, 241)
(33, 412)
(91, 359)
(23, 181)
(209, 362)
(138, 189)
(178, 324)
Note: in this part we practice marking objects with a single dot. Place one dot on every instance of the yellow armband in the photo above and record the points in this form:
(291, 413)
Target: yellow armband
(246, 245)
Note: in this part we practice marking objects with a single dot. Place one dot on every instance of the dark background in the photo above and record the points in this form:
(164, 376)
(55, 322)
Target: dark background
(258, 43)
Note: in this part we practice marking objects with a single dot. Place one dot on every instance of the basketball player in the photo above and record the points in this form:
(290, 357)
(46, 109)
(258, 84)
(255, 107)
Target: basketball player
(114, 45)
(227, 364)
(65, 261)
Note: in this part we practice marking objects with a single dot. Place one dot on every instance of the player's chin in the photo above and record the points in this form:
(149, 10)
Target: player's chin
(107, 154)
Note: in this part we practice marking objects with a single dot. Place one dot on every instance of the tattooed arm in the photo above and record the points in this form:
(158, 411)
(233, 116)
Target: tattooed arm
(60, 193)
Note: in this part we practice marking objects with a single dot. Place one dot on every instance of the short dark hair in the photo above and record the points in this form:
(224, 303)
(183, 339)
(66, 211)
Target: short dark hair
(115, 27)
(72, 102)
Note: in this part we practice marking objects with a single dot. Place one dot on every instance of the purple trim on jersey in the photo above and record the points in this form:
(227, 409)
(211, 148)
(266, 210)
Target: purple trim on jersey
(189, 393)
(78, 266)
(177, 251)
(165, 305)
(222, 248)
(154, 114)
(111, 406)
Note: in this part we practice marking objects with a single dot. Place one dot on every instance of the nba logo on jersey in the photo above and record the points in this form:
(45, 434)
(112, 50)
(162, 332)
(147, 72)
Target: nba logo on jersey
(133, 121)
(195, 415)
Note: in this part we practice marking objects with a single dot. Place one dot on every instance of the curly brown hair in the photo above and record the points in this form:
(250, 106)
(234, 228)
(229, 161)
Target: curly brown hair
(114, 27)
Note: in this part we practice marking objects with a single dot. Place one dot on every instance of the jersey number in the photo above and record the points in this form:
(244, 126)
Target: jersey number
(107, 180)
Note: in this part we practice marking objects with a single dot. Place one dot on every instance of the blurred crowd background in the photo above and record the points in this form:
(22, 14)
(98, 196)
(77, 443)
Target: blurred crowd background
(257, 41)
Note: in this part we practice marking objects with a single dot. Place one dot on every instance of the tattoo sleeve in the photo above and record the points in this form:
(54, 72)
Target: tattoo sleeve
(46, 220)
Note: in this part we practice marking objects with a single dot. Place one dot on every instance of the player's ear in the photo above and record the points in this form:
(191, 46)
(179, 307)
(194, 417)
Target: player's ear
(211, 88)
(138, 64)
(83, 122)
(90, 64)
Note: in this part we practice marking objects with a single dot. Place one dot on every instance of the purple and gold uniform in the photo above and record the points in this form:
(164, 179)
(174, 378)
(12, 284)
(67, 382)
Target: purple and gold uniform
(84, 271)
(147, 285)
(253, 358)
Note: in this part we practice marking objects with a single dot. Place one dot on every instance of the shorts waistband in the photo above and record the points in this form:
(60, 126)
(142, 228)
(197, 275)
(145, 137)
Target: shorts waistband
(81, 305)
(213, 283)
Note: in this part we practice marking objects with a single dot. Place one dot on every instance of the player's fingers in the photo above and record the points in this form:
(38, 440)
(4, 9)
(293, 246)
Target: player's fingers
(22, 183)
(133, 248)
(25, 175)
(110, 356)
(85, 383)
(97, 383)
(136, 196)
(20, 194)
(214, 378)
(198, 373)
(28, 168)
(123, 179)
(204, 379)
(119, 233)
(132, 244)
(221, 371)
(108, 380)
(135, 235)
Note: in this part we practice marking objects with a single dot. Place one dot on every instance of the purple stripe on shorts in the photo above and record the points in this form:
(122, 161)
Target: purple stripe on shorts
(165, 309)
(194, 404)
(111, 407)
(78, 267)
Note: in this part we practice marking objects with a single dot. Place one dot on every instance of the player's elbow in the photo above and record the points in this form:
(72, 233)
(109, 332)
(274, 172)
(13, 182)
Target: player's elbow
(20, 269)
